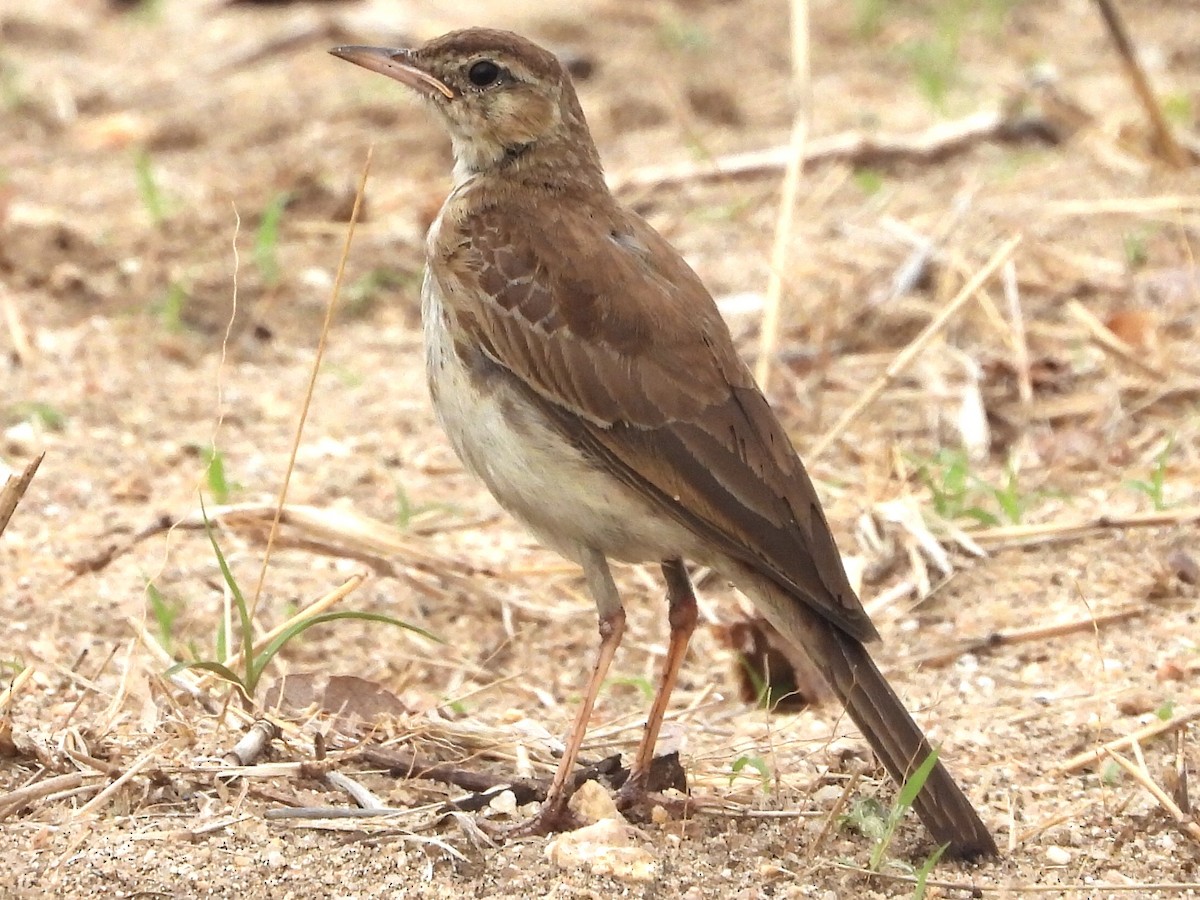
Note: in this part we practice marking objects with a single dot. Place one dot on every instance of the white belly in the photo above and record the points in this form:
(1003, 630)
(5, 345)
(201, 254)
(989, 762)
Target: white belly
(530, 468)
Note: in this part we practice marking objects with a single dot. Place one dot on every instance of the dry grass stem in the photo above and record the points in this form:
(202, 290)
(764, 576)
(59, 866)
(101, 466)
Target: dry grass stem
(780, 253)
(972, 889)
(925, 248)
(835, 814)
(22, 797)
(1143, 734)
(1141, 775)
(337, 531)
(14, 687)
(359, 794)
(315, 813)
(21, 348)
(1123, 206)
(1024, 635)
(854, 148)
(788, 196)
(14, 489)
(1163, 134)
(318, 606)
(105, 795)
(1020, 341)
(330, 308)
(1024, 535)
(905, 357)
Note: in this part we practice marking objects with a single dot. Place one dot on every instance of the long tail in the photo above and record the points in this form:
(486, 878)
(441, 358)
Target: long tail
(878, 712)
(901, 746)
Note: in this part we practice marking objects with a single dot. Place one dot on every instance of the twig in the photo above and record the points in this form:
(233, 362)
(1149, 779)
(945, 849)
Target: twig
(337, 812)
(190, 835)
(22, 797)
(482, 785)
(925, 248)
(1082, 760)
(905, 357)
(359, 794)
(856, 148)
(1140, 774)
(1023, 635)
(22, 349)
(1012, 296)
(335, 293)
(1122, 206)
(103, 797)
(1180, 789)
(834, 815)
(14, 489)
(789, 194)
(1069, 531)
(1163, 134)
(15, 685)
(253, 744)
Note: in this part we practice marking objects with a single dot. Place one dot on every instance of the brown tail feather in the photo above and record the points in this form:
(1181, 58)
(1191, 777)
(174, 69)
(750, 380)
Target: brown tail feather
(877, 711)
(901, 746)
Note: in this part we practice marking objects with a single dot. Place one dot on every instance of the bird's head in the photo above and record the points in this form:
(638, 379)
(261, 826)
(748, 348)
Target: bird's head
(505, 100)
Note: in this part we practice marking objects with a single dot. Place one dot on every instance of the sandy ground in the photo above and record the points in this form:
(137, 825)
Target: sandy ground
(174, 184)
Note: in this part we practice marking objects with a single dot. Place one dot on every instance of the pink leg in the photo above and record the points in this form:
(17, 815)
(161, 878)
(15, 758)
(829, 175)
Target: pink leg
(681, 602)
(553, 815)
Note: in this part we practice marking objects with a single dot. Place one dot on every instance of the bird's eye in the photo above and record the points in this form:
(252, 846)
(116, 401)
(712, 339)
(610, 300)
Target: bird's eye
(483, 73)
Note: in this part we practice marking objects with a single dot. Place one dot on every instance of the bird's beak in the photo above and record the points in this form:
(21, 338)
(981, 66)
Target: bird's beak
(395, 64)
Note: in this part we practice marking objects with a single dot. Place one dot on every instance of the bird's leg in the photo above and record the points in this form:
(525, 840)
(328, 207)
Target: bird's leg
(681, 605)
(553, 816)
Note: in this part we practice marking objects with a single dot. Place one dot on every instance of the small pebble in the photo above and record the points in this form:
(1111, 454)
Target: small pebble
(1058, 856)
(592, 803)
(608, 847)
(504, 802)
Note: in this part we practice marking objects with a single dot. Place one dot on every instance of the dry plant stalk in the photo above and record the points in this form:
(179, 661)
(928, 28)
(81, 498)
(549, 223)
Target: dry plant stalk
(1164, 136)
(789, 194)
(905, 357)
(1070, 531)
(14, 687)
(855, 148)
(318, 606)
(23, 796)
(103, 797)
(14, 489)
(1139, 737)
(253, 744)
(1123, 206)
(335, 293)
(22, 349)
(1141, 775)
(1025, 635)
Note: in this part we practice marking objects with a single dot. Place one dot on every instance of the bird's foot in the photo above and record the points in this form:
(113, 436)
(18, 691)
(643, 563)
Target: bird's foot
(642, 792)
(645, 805)
(550, 819)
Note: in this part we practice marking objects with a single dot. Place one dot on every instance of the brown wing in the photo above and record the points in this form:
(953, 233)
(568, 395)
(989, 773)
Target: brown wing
(626, 350)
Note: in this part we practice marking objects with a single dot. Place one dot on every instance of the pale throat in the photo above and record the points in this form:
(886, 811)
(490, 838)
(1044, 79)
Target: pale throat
(475, 156)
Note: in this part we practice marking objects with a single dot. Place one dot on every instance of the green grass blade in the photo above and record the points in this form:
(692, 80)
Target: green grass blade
(223, 672)
(904, 801)
(281, 639)
(238, 599)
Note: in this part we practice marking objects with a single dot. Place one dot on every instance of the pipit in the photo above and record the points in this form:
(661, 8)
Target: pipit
(582, 371)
